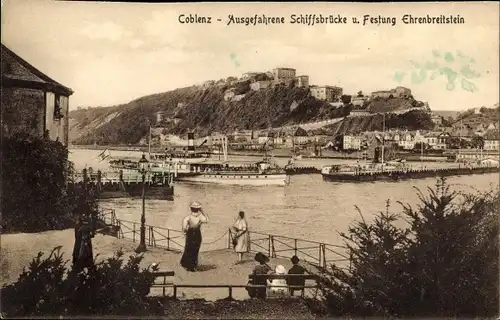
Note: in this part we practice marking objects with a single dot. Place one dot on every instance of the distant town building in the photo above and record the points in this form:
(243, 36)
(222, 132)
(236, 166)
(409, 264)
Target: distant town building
(243, 135)
(492, 140)
(326, 93)
(216, 138)
(336, 104)
(32, 102)
(257, 85)
(348, 142)
(229, 94)
(283, 73)
(358, 101)
(398, 92)
(159, 116)
(436, 119)
(437, 140)
(359, 113)
(302, 81)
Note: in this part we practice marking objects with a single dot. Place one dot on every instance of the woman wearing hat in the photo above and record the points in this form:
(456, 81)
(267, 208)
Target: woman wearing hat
(261, 269)
(191, 225)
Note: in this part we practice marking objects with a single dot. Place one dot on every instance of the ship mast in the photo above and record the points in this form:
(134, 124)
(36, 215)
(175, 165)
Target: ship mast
(149, 140)
(383, 139)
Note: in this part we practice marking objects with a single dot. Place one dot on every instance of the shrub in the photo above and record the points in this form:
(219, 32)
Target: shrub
(35, 197)
(48, 288)
(444, 263)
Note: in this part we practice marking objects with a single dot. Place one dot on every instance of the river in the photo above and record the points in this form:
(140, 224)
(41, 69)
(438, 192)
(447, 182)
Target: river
(308, 208)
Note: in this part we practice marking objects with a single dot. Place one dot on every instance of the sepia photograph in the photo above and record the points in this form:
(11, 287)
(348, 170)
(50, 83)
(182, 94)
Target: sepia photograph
(218, 160)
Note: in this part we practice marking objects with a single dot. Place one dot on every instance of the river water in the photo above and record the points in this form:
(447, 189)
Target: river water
(309, 208)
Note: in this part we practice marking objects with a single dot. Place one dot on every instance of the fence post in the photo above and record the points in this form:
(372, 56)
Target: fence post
(295, 247)
(229, 239)
(269, 246)
(149, 237)
(230, 292)
(319, 255)
(168, 239)
(133, 231)
(324, 255)
(175, 292)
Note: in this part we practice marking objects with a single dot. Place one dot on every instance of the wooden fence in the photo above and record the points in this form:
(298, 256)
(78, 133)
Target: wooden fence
(275, 246)
(316, 253)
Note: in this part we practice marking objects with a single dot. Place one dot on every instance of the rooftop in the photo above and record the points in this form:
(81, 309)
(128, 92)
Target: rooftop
(19, 73)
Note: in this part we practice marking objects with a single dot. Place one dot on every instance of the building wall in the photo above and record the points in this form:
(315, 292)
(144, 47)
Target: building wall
(491, 144)
(256, 86)
(281, 73)
(303, 81)
(326, 93)
(23, 111)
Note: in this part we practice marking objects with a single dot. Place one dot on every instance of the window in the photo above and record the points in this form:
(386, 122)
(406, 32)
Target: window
(57, 108)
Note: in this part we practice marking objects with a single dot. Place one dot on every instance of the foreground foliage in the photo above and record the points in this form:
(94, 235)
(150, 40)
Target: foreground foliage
(34, 194)
(49, 288)
(445, 263)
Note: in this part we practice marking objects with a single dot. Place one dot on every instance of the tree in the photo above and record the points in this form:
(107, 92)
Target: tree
(360, 93)
(477, 142)
(419, 145)
(345, 99)
(443, 263)
(40, 200)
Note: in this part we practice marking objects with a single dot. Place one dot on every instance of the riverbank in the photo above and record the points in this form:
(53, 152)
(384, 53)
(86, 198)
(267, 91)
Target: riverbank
(283, 153)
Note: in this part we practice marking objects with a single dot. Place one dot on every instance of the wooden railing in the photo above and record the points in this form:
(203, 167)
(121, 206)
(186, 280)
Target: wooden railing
(275, 246)
(316, 253)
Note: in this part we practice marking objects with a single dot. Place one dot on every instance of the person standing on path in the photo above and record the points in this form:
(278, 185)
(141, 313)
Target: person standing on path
(191, 225)
(240, 238)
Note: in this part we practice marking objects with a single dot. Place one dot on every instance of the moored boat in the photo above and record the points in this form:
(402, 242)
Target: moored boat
(257, 174)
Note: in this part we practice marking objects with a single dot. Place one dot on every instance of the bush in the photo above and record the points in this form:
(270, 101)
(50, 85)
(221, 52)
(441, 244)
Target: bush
(35, 197)
(48, 288)
(445, 263)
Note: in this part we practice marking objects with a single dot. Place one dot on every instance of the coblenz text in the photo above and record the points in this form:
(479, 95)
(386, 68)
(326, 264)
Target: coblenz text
(194, 18)
(312, 19)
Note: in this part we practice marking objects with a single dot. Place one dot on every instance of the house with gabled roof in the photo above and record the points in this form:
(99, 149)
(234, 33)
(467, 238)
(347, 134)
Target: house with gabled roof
(32, 102)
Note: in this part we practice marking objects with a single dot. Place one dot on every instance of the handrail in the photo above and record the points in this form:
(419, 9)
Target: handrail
(274, 245)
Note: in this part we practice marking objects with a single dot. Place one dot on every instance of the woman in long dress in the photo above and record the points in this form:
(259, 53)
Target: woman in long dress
(191, 225)
(240, 239)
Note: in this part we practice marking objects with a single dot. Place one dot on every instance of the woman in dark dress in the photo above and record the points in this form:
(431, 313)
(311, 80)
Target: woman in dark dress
(191, 225)
(83, 256)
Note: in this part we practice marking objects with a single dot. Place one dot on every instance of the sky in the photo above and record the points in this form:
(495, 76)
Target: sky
(112, 53)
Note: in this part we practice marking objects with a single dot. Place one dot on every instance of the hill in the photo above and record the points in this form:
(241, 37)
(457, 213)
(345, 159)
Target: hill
(447, 114)
(412, 120)
(479, 116)
(220, 107)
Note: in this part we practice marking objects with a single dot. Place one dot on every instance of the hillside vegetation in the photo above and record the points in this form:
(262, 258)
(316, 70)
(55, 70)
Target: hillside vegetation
(412, 120)
(485, 116)
(205, 110)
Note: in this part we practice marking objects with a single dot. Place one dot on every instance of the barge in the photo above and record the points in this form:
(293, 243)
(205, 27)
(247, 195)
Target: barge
(360, 174)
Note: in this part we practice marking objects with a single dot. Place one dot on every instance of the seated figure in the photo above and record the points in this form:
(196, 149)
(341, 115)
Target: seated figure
(278, 287)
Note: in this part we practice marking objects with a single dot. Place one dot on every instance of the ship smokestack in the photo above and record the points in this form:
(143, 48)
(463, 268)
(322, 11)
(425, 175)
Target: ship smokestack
(190, 142)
